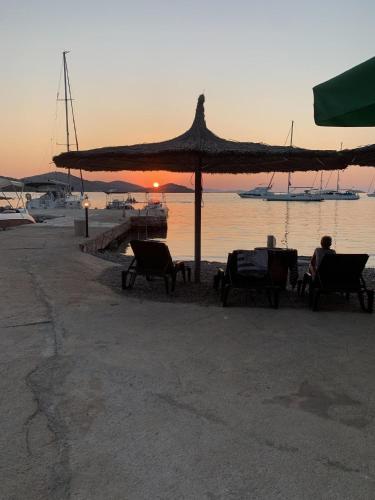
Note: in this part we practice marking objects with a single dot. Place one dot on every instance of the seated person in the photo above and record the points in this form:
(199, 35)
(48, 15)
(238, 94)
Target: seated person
(319, 253)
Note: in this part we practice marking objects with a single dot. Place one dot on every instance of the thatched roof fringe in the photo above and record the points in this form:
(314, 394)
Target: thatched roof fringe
(199, 148)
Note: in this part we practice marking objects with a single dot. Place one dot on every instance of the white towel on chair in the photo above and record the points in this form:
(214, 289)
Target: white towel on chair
(253, 262)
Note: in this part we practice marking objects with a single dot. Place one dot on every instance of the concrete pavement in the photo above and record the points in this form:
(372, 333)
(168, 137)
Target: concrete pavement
(108, 397)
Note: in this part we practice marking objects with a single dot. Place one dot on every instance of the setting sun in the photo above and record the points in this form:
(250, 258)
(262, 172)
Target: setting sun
(156, 184)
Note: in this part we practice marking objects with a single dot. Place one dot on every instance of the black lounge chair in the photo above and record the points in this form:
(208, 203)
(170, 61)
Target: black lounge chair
(153, 259)
(280, 262)
(341, 273)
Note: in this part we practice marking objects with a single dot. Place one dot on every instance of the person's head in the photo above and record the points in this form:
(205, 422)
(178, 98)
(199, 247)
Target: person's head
(326, 242)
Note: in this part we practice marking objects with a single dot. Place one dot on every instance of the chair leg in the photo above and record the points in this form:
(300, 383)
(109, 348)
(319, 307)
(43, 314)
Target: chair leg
(269, 297)
(183, 272)
(127, 279)
(370, 300)
(224, 295)
(361, 299)
(369, 294)
(276, 299)
(307, 279)
(123, 279)
(174, 276)
(315, 299)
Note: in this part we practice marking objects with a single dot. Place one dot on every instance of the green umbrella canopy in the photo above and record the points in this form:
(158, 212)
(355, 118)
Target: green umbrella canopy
(348, 100)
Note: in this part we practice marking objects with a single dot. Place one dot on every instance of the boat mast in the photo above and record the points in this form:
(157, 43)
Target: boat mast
(66, 110)
(68, 97)
(271, 180)
(338, 173)
(291, 145)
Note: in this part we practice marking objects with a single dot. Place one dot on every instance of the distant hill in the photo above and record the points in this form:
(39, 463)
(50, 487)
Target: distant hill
(90, 186)
(172, 188)
(99, 186)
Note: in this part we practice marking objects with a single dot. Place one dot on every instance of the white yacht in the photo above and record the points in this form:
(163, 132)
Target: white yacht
(153, 207)
(13, 215)
(117, 203)
(331, 194)
(55, 195)
(334, 194)
(292, 195)
(259, 192)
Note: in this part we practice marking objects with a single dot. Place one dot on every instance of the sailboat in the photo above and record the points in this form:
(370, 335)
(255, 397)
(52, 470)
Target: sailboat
(335, 194)
(292, 195)
(59, 194)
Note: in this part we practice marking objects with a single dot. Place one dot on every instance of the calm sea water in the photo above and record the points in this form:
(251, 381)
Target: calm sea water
(230, 222)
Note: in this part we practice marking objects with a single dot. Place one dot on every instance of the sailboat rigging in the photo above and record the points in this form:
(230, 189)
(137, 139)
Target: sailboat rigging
(291, 195)
(371, 194)
(332, 194)
(58, 194)
(69, 99)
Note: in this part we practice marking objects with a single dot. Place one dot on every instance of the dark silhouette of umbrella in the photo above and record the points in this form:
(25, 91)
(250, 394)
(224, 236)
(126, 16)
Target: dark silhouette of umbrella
(200, 151)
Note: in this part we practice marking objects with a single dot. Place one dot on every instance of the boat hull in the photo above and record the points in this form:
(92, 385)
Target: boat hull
(257, 193)
(8, 221)
(296, 197)
(337, 195)
(254, 196)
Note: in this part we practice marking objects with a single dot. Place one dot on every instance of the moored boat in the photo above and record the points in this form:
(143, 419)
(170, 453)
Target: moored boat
(291, 195)
(55, 195)
(294, 196)
(329, 194)
(12, 216)
(259, 192)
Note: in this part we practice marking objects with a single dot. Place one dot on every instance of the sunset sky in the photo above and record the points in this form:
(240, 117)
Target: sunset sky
(137, 69)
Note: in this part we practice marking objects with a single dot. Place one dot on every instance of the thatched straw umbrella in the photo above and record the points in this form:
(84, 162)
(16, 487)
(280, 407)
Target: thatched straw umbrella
(200, 151)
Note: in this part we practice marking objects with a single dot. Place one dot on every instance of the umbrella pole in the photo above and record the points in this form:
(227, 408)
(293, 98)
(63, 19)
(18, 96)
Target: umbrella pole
(198, 225)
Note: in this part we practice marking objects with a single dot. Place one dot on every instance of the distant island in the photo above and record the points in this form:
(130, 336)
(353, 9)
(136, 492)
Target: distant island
(102, 186)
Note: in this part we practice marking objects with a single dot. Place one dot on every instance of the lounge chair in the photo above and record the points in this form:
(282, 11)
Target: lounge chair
(340, 273)
(280, 262)
(153, 259)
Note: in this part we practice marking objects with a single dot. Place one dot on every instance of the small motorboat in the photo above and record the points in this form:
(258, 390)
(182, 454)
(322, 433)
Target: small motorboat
(10, 215)
(259, 192)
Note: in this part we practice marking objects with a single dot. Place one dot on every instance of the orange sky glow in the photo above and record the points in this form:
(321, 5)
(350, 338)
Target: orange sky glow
(139, 82)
